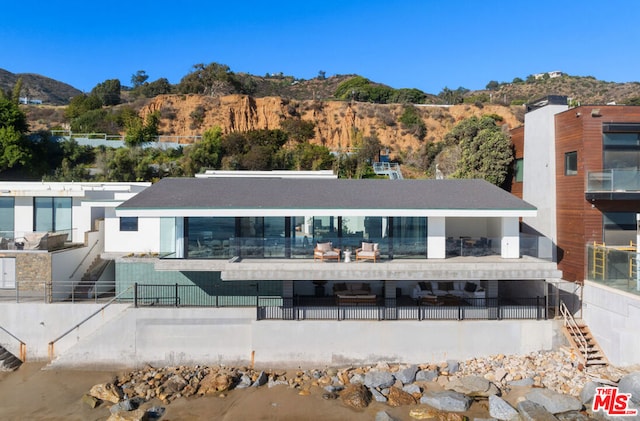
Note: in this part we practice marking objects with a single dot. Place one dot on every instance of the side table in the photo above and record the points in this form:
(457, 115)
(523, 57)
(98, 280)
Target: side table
(347, 256)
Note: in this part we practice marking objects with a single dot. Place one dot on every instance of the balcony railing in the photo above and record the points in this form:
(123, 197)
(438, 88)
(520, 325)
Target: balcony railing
(275, 307)
(390, 309)
(614, 180)
(614, 266)
(20, 240)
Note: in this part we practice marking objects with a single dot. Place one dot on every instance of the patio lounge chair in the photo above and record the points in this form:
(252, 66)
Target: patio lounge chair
(324, 251)
(368, 251)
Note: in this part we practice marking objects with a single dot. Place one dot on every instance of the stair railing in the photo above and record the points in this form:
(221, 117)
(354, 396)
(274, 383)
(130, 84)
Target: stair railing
(22, 350)
(89, 317)
(574, 330)
(84, 258)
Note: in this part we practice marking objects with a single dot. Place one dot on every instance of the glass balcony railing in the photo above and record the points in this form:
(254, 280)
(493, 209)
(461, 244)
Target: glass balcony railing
(614, 180)
(536, 246)
(614, 266)
(19, 240)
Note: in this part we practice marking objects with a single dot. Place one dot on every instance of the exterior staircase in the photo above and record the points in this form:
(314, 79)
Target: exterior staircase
(581, 340)
(86, 286)
(8, 361)
(389, 169)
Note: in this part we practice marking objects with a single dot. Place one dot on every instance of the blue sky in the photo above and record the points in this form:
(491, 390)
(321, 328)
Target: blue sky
(424, 44)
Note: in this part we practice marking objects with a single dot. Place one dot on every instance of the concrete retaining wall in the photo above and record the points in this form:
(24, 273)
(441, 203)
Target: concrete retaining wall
(128, 337)
(613, 316)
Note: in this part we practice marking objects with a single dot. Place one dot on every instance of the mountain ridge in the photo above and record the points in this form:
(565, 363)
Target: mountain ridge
(581, 89)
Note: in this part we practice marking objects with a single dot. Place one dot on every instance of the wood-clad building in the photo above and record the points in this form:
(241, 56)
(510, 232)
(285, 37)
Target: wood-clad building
(594, 195)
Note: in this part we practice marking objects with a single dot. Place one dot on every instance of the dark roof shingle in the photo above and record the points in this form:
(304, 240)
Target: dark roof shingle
(273, 193)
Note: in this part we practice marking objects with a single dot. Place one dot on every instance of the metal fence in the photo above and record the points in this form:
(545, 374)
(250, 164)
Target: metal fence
(176, 295)
(534, 308)
(273, 307)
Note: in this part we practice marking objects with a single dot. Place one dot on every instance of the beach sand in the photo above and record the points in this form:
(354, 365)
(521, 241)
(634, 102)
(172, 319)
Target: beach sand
(31, 393)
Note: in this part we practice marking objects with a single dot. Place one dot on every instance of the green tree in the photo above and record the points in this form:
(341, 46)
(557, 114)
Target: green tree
(80, 104)
(139, 133)
(308, 156)
(486, 151)
(122, 164)
(369, 151)
(452, 97)
(212, 79)
(492, 85)
(108, 91)
(408, 96)
(411, 121)
(92, 121)
(298, 130)
(13, 148)
(12, 116)
(15, 94)
(207, 153)
(347, 89)
(139, 78)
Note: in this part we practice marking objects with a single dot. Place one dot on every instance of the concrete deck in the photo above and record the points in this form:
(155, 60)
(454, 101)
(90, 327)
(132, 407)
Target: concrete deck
(456, 268)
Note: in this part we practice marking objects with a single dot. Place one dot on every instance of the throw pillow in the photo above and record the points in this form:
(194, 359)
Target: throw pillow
(445, 286)
(340, 287)
(367, 246)
(424, 286)
(470, 287)
(324, 246)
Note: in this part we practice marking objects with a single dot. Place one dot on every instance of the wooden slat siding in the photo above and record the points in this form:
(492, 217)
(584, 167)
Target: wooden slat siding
(578, 222)
(517, 138)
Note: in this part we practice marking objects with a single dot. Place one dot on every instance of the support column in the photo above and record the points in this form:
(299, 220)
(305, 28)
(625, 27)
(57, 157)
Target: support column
(510, 238)
(436, 237)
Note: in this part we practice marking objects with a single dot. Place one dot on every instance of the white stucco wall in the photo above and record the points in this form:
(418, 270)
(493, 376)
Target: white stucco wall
(437, 238)
(510, 245)
(145, 240)
(539, 172)
(613, 316)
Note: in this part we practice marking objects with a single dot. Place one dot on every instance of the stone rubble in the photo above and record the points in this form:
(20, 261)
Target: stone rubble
(556, 380)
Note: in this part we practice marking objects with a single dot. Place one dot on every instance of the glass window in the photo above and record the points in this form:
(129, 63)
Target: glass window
(7, 212)
(519, 170)
(129, 223)
(52, 214)
(211, 237)
(409, 237)
(571, 163)
(325, 228)
(621, 151)
(356, 229)
(274, 237)
(619, 228)
(301, 236)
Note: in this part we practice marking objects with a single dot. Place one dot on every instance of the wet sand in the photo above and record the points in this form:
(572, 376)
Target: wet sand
(31, 393)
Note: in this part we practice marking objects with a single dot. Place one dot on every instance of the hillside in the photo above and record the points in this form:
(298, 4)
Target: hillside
(338, 123)
(34, 86)
(583, 90)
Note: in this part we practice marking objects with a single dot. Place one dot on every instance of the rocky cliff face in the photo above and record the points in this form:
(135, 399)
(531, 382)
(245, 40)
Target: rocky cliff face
(338, 124)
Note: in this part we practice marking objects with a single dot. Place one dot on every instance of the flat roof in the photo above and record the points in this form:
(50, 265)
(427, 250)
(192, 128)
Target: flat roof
(268, 196)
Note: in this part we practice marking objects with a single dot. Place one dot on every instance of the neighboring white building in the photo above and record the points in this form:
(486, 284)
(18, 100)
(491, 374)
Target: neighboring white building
(49, 231)
(552, 74)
